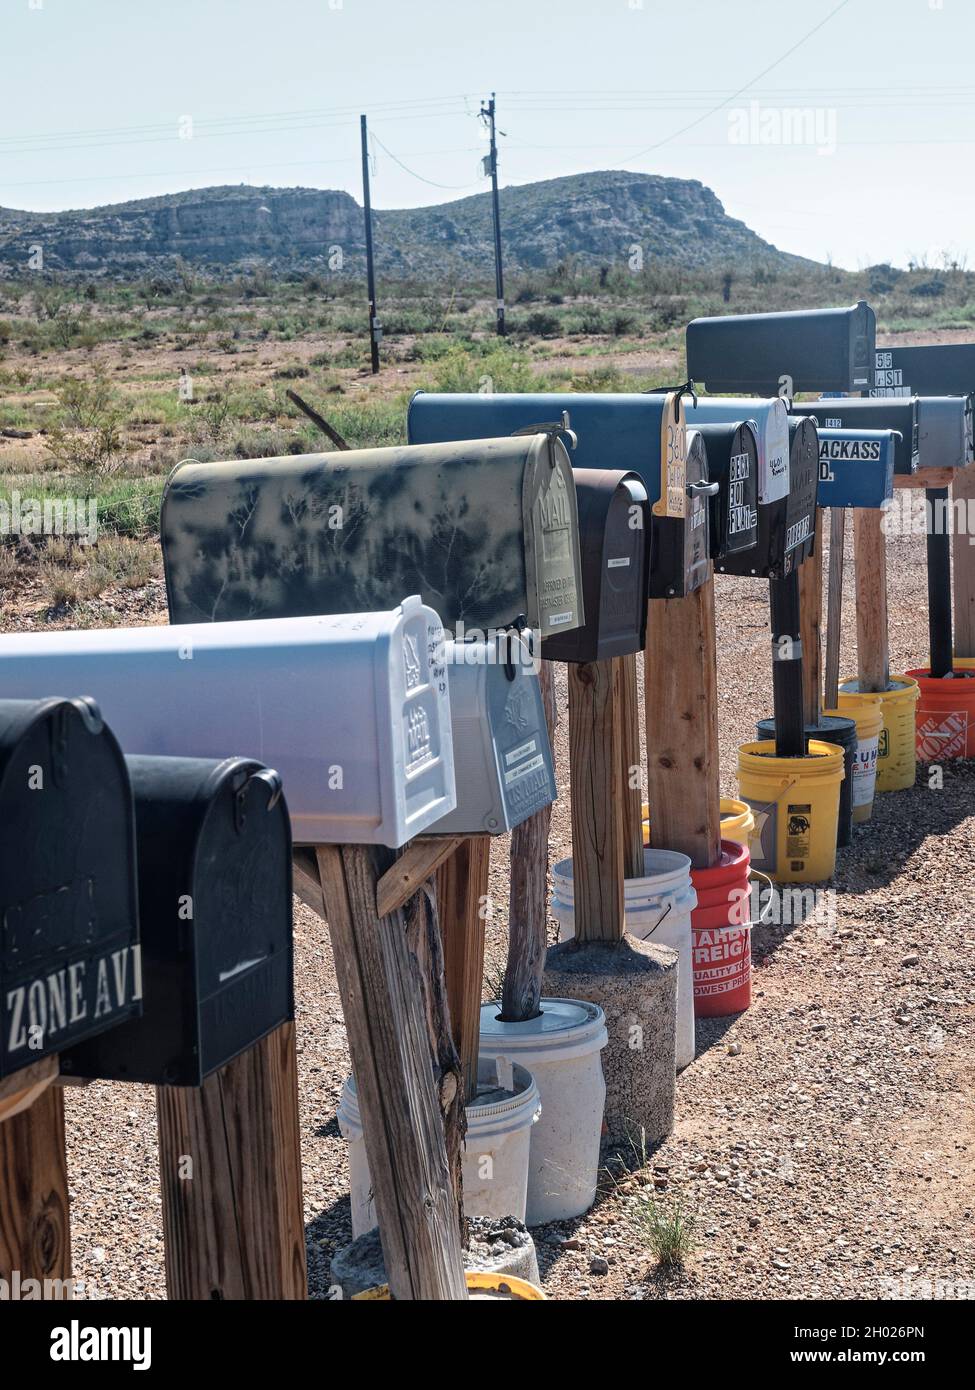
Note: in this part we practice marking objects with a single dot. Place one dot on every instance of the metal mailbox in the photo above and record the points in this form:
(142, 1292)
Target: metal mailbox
(680, 547)
(484, 532)
(944, 431)
(69, 933)
(800, 511)
(868, 413)
(502, 754)
(642, 432)
(214, 853)
(732, 451)
(614, 526)
(770, 420)
(807, 350)
(352, 710)
(936, 369)
(856, 467)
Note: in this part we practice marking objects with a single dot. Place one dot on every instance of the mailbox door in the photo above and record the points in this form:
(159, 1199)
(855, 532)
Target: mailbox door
(771, 419)
(808, 350)
(69, 953)
(800, 512)
(944, 431)
(856, 467)
(502, 754)
(680, 546)
(614, 525)
(937, 369)
(871, 413)
(358, 531)
(733, 463)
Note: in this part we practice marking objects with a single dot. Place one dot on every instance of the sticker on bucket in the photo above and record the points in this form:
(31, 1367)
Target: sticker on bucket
(722, 960)
(798, 840)
(941, 734)
(865, 771)
(764, 838)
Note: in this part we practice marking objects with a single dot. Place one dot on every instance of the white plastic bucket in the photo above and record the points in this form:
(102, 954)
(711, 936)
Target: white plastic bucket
(495, 1161)
(656, 907)
(561, 1050)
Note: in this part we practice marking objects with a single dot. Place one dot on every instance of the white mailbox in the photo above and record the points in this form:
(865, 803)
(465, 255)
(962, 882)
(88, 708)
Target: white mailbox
(771, 420)
(502, 755)
(352, 710)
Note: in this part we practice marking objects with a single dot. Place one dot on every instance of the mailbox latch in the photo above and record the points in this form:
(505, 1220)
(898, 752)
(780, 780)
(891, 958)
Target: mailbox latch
(552, 428)
(270, 778)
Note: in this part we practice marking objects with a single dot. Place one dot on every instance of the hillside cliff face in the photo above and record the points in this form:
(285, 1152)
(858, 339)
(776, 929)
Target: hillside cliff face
(597, 218)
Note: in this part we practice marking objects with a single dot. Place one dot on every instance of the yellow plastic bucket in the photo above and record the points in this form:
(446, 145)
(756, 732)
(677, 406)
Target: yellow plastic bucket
(737, 822)
(479, 1287)
(897, 751)
(796, 805)
(868, 713)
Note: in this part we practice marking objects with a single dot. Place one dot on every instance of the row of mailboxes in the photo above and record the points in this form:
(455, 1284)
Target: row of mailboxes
(485, 532)
(856, 467)
(765, 354)
(936, 431)
(644, 433)
(214, 860)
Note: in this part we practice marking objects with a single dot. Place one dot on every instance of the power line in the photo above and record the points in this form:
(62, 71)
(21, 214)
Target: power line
(451, 187)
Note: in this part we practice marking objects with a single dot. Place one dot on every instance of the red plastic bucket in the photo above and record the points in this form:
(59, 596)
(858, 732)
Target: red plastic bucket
(945, 718)
(721, 934)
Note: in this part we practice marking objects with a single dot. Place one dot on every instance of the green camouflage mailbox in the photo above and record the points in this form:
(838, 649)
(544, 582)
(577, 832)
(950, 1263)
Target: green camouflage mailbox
(485, 530)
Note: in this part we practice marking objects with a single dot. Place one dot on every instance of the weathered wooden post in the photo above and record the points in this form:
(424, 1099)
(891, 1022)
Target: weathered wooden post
(69, 956)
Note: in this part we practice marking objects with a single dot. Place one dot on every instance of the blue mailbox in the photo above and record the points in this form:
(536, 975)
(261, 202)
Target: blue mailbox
(856, 467)
(643, 433)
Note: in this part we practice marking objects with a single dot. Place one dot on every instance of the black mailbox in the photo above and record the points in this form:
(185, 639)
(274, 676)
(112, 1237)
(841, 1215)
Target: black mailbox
(772, 354)
(214, 844)
(614, 535)
(871, 413)
(732, 451)
(936, 369)
(800, 510)
(69, 933)
(680, 546)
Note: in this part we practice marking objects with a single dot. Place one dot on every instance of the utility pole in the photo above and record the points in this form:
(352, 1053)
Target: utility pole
(375, 328)
(487, 114)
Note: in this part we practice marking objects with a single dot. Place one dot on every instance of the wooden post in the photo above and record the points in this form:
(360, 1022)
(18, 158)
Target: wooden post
(870, 559)
(811, 627)
(230, 1176)
(939, 582)
(385, 1001)
(462, 891)
(963, 490)
(35, 1235)
(595, 767)
(528, 898)
(834, 604)
(681, 676)
(631, 785)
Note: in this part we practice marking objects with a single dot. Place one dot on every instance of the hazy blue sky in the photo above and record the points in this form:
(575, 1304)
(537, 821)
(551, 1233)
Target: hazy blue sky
(99, 97)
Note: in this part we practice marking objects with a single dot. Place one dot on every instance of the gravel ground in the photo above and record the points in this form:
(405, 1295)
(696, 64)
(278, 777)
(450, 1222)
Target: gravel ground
(824, 1140)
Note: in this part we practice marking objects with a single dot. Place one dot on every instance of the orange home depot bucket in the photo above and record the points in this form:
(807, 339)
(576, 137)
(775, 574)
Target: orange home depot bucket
(945, 724)
(796, 802)
(721, 934)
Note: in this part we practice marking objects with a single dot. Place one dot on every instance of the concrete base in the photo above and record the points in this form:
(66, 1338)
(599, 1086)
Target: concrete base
(359, 1266)
(635, 983)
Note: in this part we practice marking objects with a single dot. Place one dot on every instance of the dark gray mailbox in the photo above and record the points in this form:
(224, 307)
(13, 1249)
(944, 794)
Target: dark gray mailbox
(934, 370)
(732, 451)
(769, 354)
(871, 413)
(503, 760)
(483, 531)
(800, 512)
(680, 546)
(214, 845)
(614, 525)
(69, 948)
(944, 431)
(642, 432)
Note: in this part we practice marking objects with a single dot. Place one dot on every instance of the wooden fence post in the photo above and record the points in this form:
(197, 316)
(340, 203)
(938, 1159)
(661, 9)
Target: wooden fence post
(631, 784)
(595, 770)
(811, 627)
(35, 1234)
(462, 890)
(870, 560)
(230, 1176)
